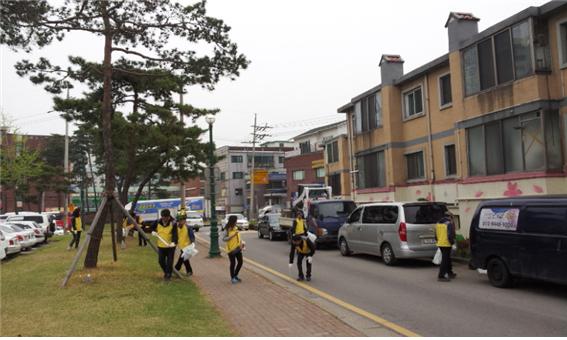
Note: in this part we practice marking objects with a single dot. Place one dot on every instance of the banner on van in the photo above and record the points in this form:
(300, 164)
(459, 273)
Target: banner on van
(499, 218)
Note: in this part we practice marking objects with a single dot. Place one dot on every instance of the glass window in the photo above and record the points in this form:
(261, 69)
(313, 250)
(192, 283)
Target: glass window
(476, 151)
(413, 104)
(237, 175)
(553, 140)
(450, 160)
(305, 147)
(372, 214)
(335, 209)
(320, 172)
(486, 65)
(494, 159)
(333, 152)
(222, 176)
(532, 141)
(378, 99)
(358, 117)
(371, 100)
(365, 120)
(299, 175)
(544, 220)
(415, 167)
(355, 216)
(512, 144)
(563, 43)
(522, 50)
(236, 159)
(503, 52)
(372, 170)
(445, 96)
(281, 159)
(424, 213)
(470, 61)
(334, 181)
(238, 191)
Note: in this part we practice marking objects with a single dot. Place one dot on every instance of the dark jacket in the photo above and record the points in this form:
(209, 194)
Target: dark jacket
(174, 237)
(450, 229)
(310, 245)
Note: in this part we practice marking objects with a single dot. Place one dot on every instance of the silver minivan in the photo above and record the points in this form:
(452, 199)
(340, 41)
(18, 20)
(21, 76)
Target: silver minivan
(392, 230)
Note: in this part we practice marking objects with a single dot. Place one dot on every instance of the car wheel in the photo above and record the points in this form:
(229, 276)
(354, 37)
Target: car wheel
(343, 247)
(271, 236)
(388, 255)
(260, 234)
(498, 273)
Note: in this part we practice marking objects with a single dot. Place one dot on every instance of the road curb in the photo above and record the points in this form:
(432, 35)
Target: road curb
(367, 323)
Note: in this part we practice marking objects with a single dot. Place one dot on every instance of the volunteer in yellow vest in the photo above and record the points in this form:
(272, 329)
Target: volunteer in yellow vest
(298, 228)
(445, 236)
(233, 247)
(166, 230)
(185, 237)
(304, 249)
(76, 228)
(129, 226)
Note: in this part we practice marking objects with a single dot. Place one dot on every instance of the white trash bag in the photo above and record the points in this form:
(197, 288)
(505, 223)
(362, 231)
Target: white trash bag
(312, 237)
(189, 251)
(437, 258)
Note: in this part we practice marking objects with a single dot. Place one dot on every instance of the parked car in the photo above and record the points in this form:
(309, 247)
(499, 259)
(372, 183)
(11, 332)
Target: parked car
(11, 241)
(195, 220)
(325, 218)
(29, 225)
(40, 219)
(392, 230)
(26, 237)
(241, 223)
(521, 238)
(269, 209)
(3, 246)
(269, 225)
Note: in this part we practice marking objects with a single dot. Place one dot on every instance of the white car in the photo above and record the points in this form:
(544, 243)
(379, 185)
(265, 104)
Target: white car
(194, 220)
(241, 222)
(26, 237)
(29, 225)
(41, 219)
(9, 241)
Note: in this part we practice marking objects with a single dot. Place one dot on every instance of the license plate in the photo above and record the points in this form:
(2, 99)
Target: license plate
(428, 241)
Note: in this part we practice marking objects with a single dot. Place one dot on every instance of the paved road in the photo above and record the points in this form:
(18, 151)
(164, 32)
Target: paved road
(410, 295)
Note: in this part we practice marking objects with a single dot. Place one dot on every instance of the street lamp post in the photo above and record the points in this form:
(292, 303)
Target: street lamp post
(214, 246)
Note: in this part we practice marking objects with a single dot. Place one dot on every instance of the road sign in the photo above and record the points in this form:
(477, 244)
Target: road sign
(261, 176)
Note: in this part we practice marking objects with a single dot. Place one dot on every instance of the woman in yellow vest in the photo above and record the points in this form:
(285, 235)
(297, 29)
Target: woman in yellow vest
(76, 228)
(233, 247)
(445, 236)
(304, 249)
(298, 228)
(185, 237)
(167, 231)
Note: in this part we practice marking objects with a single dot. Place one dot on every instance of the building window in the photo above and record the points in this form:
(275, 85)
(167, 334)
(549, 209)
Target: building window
(415, 167)
(238, 191)
(499, 59)
(515, 144)
(236, 159)
(562, 43)
(334, 181)
(305, 147)
(357, 117)
(413, 103)
(262, 161)
(237, 175)
(281, 159)
(332, 152)
(450, 160)
(320, 172)
(298, 175)
(445, 96)
(371, 170)
(368, 113)
(222, 176)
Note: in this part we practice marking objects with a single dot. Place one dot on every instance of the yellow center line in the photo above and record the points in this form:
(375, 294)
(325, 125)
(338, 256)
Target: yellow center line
(388, 324)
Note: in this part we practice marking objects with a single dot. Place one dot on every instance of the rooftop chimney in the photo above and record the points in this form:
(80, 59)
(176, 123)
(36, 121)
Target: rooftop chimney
(391, 68)
(460, 26)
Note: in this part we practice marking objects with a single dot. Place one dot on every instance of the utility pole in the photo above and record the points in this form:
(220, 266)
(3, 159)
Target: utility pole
(256, 137)
(182, 183)
(66, 170)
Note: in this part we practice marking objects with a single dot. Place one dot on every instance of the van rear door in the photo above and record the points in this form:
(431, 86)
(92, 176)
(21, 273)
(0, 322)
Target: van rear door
(420, 220)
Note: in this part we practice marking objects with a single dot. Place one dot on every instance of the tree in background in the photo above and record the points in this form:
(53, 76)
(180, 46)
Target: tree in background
(138, 29)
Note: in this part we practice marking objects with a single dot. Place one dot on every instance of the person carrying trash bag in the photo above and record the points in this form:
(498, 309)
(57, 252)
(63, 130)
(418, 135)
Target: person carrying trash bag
(305, 249)
(445, 237)
(298, 228)
(185, 237)
(234, 246)
(166, 232)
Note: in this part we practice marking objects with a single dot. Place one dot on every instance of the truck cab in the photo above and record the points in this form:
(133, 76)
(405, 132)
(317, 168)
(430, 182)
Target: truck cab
(325, 218)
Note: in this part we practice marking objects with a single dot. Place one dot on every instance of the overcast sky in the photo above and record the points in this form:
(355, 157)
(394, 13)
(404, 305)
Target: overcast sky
(307, 57)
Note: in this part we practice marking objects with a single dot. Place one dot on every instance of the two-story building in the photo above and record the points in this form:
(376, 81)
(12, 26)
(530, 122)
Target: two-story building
(486, 120)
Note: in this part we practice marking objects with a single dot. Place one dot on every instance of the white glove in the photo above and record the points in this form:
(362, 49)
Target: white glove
(171, 245)
(309, 259)
(290, 265)
(154, 233)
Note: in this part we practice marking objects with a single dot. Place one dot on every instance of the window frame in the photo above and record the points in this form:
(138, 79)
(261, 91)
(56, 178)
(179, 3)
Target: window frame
(417, 179)
(317, 172)
(404, 106)
(332, 149)
(445, 161)
(233, 157)
(298, 171)
(561, 46)
(234, 173)
(440, 90)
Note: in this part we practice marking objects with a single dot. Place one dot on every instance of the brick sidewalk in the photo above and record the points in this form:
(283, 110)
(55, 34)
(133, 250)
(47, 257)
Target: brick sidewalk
(258, 307)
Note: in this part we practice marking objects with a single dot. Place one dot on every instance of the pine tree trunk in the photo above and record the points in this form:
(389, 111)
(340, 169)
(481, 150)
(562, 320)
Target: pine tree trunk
(91, 258)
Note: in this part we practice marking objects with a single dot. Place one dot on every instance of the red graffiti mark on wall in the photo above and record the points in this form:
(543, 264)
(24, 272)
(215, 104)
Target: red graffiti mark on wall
(467, 209)
(478, 194)
(538, 189)
(418, 192)
(512, 190)
(429, 197)
(386, 199)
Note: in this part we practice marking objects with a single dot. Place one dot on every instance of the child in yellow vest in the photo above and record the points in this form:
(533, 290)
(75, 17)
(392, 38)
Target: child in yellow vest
(77, 227)
(304, 249)
(233, 247)
(166, 229)
(185, 237)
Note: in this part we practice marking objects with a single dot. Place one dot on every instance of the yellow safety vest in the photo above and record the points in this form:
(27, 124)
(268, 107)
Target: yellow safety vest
(234, 242)
(441, 233)
(165, 232)
(299, 227)
(183, 239)
(303, 248)
(78, 224)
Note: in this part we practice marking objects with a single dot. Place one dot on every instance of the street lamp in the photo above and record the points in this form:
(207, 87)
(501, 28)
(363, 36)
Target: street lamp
(214, 247)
